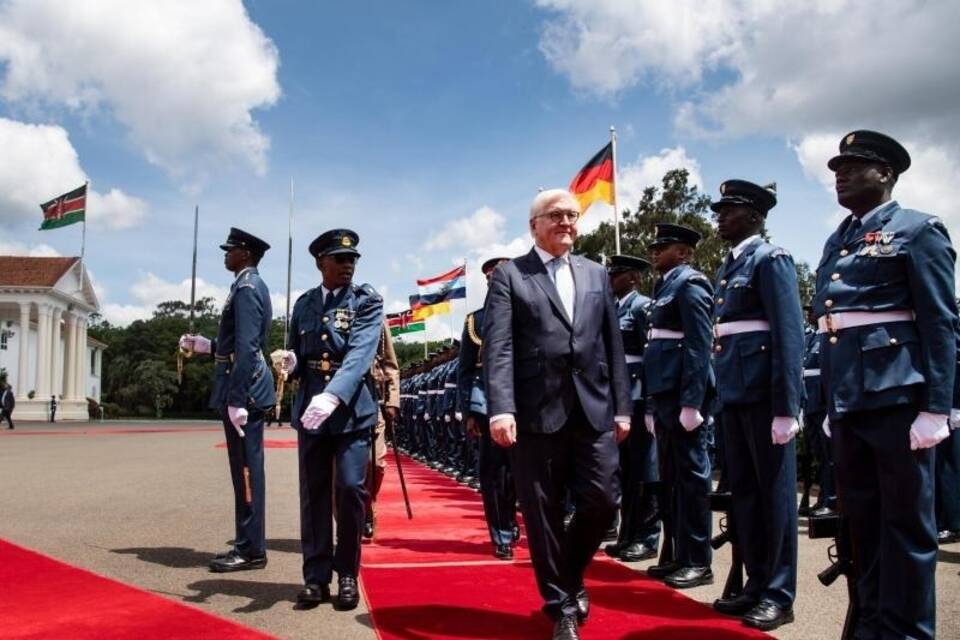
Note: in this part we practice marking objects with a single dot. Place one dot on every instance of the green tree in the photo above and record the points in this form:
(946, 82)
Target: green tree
(151, 389)
(674, 201)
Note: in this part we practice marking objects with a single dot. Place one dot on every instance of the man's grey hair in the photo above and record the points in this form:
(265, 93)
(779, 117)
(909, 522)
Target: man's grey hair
(551, 196)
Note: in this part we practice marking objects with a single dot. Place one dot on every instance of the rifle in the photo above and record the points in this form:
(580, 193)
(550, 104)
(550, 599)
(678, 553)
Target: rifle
(723, 503)
(282, 376)
(389, 432)
(842, 563)
(183, 354)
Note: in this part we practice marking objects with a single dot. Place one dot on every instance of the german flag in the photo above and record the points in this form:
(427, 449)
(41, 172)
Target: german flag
(595, 181)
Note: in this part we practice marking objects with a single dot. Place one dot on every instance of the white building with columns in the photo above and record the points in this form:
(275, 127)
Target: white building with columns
(45, 305)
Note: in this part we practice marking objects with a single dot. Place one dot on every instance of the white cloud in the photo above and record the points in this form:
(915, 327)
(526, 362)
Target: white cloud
(480, 228)
(149, 290)
(20, 249)
(182, 77)
(929, 185)
(647, 171)
(38, 163)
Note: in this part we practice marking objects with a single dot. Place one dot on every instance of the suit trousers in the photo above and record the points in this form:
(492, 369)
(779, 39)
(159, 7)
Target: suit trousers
(763, 484)
(886, 492)
(249, 519)
(339, 460)
(823, 450)
(496, 486)
(948, 483)
(639, 520)
(685, 467)
(545, 465)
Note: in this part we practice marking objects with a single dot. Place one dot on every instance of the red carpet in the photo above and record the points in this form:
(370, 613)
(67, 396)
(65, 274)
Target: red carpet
(45, 598)
(435, 577)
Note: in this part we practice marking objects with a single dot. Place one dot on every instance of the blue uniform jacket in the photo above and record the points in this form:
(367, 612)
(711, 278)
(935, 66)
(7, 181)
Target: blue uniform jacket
(335, 348)
(632, 315)
(470, 393)
(813, 391)
(242, 377)
(450, 389)
(900, 260)
(681, 302)
(761, 365)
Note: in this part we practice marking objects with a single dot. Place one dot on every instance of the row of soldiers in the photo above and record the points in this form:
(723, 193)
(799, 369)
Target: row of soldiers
(872, 377)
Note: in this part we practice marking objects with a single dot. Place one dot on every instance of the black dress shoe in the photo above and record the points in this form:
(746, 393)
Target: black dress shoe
(233, 561)
(583, 605)
(736, 606)
(767, 616)
(566, 629)
(368, 530)
(312, 595)
(348, 595)
(948, 537)
(661, 571)
(636, 552)
(822, 512)
(516, 533)
(689, 577)
(474, 484)
(613, 549)
(503, 551)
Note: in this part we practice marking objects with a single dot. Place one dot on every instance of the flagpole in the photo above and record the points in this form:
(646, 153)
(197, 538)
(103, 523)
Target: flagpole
(616, 209)
(83, 233)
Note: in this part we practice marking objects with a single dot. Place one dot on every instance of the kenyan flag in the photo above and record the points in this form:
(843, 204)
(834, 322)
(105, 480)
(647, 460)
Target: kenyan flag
(408, 321)
(66, 209)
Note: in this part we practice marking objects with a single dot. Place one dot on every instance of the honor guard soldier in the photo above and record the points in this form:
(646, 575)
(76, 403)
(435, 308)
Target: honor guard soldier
(386, 377)
(758, 357)
(816, 442)
(947, 493)
(334, 332)
(496, 481)
(242, 393)
(639, 521)
(887, 318)
(680, 385)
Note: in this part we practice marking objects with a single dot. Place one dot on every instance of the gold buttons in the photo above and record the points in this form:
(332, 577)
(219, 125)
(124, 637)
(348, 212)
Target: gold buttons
(326, 318)
(326, 378)
(723, 283)
(828, 303)
(893, 341)
(719, 300)
(323, 337)
(763, 347)
(844, 253)
(835, 276)
(833, 339)
(718, 348)
(325, 355)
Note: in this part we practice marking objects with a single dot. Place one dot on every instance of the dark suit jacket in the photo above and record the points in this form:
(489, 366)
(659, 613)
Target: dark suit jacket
(536, 363)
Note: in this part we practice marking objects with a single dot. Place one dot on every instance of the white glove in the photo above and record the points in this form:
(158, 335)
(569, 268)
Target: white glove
(319, 409)
(954, 419)
(446, 417)
(690, 418)
(426, 416)
(825, 427)
(783, 429)
(650, 424)
(238, 417)
(289, 362)
(928, 429)
(458, 416)
(194, 343)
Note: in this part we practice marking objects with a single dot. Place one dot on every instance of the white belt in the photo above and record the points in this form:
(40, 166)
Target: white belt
(632, 359)
(833, 322)
(809, 373)
(434, 392)
(449, 385)
(664, 334)
(739, 326)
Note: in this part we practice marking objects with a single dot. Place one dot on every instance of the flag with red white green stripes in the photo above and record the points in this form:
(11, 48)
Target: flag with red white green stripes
(66, 209)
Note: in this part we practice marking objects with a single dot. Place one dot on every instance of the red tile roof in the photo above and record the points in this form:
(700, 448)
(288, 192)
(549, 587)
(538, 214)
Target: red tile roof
(24, 271)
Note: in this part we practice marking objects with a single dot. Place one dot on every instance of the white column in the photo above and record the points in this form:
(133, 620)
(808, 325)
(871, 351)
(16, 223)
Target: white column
(56, 377)
(70, 356)
(81, 357)
(44, 312)
(23, 375)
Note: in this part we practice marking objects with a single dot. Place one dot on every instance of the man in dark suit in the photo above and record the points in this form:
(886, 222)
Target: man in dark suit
(7, 403)
(559, 398)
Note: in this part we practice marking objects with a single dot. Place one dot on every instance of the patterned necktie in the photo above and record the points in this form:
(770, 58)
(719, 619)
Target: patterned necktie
(563, 280)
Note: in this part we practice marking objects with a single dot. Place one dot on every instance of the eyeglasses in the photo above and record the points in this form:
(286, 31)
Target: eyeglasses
(559, 216)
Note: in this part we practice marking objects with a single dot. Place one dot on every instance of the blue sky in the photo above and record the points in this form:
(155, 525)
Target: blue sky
(427, 127)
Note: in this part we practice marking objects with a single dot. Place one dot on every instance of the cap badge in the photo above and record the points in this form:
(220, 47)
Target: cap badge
(723, 188)
(346, 242)
(849, 139)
